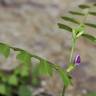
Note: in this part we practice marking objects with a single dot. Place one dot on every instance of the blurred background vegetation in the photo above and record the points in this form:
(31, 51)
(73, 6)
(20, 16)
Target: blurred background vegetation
(32, 25)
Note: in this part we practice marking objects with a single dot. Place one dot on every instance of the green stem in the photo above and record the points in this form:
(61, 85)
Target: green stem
(70, 60)
(72, 50)
(63, 91)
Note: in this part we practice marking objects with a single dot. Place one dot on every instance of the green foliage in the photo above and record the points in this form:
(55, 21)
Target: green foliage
(3, 89)
(13, 80)
(63, 26)
(77, 32)
(3, 77)
(24, 57)
(91, 25)
(76, 13)
(25, 71)
(92, 13)
(70, 19)
(24, 91)
(4, 49)
(90, 37)
(64, 76)
(44, 68)
(21, 74)
(83, 11)
(83, 6)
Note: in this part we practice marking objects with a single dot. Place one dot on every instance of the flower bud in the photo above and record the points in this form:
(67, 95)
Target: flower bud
(77, 60)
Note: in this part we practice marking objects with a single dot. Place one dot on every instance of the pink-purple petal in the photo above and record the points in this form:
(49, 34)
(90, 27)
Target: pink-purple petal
(77, 60)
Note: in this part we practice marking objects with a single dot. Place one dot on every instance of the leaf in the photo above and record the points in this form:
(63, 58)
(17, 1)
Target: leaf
(24, 71)
(80, 30)
(35, 72)
(91, 25)
(24, 57)
(24, 91)
(44, 68)
(3, 89)
(48, 68)
(62, 26)
(90, 37)
(92, 13)
(4, 49)
(76, 13)
(13, 80)
(70, 19)
(94, 4)
(64, 77)
(83, 6)
(70, 68)
(17, 71)
(4, 77)
(35, 81)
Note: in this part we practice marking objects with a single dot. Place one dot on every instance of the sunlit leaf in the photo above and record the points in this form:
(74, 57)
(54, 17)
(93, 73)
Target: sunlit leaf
(13, 80)
(62, 26)
(91, 25)
(64, 77)
(90, 37)
(17, 71)
(24, 57)
(44, 68)
(70, 19)
(24, 91)
(3, 89)
(83, 6)
(24, 71)
(76, 13)
(4, 49)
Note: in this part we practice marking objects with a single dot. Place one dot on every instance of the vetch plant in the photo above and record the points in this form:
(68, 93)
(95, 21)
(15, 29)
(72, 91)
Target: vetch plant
(78, 31)
(18, 81)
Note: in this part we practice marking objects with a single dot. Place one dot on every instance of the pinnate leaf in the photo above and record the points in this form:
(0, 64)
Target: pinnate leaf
(62, 26)
(90, 37)
(83, 6)
(70, 19)
(91, 25)
(76, 13)
(92, 13)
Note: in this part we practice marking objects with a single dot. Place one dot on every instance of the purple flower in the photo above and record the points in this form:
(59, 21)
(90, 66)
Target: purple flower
(77, 60)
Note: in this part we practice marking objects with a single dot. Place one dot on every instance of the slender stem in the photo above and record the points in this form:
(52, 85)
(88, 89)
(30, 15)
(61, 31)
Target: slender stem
(70, 60)
(72, 50)
(63, 91)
